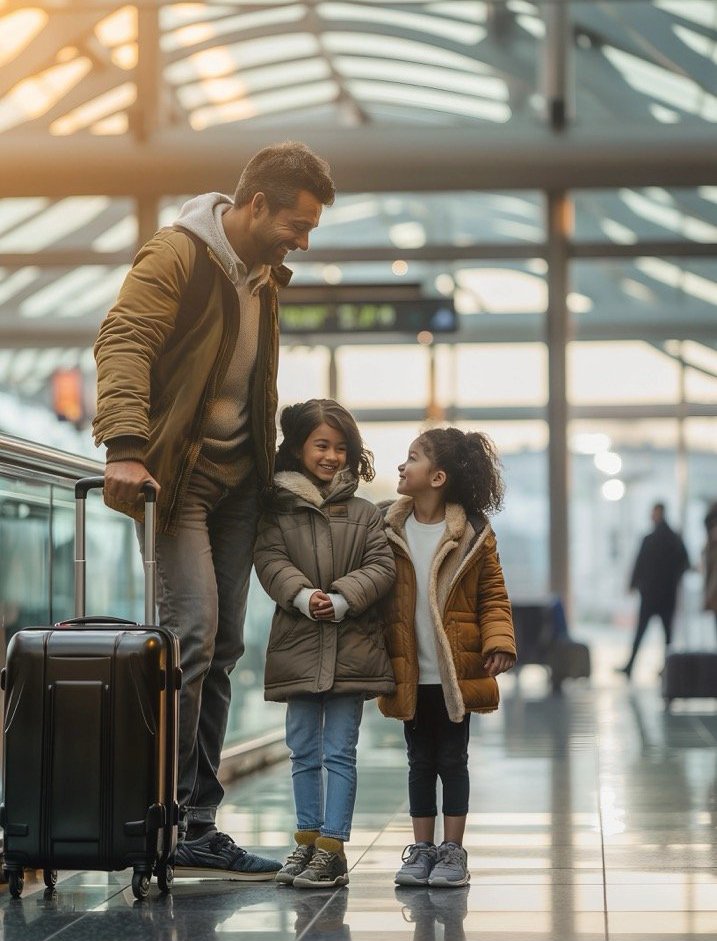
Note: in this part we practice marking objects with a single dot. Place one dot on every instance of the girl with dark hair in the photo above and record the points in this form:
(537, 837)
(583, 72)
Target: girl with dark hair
(323, 557)
(450, 632)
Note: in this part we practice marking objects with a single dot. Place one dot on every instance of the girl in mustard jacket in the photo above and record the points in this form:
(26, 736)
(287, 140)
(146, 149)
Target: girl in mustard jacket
(450, 632)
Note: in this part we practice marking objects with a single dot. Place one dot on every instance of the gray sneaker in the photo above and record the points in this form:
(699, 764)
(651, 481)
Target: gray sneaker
(451, 867)
(418, 861)
(296, 863)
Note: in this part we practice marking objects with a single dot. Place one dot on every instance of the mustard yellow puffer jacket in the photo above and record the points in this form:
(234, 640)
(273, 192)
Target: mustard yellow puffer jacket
(471, 614)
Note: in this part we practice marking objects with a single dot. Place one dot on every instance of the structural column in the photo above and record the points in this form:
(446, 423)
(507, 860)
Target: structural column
(559, 226)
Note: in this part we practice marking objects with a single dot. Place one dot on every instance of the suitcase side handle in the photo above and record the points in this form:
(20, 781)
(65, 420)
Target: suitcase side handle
(82, 487)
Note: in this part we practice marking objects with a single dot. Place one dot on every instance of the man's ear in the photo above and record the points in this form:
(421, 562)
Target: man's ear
(259, 205)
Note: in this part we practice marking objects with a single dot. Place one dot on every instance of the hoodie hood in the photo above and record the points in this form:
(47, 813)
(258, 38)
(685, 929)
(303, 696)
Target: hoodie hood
(199, 216)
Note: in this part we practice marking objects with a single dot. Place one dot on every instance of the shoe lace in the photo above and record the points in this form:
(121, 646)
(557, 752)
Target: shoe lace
(222, 841)
(300, 854)
(412, 852)
(321, 861)
(451, 853)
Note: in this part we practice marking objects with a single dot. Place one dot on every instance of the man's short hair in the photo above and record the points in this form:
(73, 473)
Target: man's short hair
(280, 172)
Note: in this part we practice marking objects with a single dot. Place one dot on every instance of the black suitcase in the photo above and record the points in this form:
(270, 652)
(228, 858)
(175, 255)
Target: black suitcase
(90, 762)
(690, 675)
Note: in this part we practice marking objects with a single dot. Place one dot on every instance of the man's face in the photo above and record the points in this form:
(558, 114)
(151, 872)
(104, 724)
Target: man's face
(283, 231)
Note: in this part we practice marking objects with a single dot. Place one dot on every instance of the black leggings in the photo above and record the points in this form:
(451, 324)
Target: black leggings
(437, 748)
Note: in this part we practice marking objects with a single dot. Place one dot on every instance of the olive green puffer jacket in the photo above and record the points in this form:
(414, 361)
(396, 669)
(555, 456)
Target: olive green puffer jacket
(335, 543)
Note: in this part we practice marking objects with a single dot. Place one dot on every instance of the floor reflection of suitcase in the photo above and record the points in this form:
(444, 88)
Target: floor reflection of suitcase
(90, 764)
(690, 675)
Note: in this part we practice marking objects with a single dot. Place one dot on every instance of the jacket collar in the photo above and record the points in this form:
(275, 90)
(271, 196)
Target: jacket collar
(282, 275)
(401, 509)
(343, 486)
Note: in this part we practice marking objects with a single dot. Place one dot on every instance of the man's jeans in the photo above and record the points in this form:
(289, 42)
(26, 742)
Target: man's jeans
(202, 583)
(322, 732)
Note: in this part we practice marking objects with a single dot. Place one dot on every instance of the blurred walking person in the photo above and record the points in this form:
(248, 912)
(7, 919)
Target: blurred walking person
(659, 567)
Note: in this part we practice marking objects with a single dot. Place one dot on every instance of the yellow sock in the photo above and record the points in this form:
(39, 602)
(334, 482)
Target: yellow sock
(331, 845)
(306, 837)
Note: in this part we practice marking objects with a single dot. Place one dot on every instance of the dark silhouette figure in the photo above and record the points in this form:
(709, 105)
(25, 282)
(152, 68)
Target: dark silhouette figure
(659, 566)
(709, 561)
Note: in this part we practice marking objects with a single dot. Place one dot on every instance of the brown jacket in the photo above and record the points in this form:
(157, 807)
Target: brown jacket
(335, 543)
(159, 364)
(471, 614)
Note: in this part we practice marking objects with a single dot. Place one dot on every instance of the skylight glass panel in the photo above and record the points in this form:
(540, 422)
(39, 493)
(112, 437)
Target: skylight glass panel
(702, 12)
(655, 81)
(419, 75)
(697, 286)
(256, 80)
(271, 102)
(14, 211)
(180, 14)
(117, 99)
(51, 226)
(16, 282)
(96, 297)
(225, 60)
(121, 235)
(475, 12)
(34, 96)
(669, 217)
(205, 31)
(435, 100)
(60, 292)
(354, 44)
(403, 20)
(17, 30)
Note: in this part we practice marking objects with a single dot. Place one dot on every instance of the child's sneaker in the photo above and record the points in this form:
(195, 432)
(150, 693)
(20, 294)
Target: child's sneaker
(418, 861)
(299, 859)
(327, 868)
(451, 867)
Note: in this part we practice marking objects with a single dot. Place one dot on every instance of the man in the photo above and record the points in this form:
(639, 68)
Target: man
(659, 567)
(186, 378)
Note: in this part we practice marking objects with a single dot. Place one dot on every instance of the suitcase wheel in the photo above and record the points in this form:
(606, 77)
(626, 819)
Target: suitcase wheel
(165, 878)
(50, 878)
(16, 881)
(140, 885)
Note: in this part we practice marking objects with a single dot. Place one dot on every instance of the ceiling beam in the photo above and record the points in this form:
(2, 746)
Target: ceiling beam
(367, 159)
(623, 324)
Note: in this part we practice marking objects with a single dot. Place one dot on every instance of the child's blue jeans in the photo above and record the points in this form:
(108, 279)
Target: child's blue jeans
(322, 732)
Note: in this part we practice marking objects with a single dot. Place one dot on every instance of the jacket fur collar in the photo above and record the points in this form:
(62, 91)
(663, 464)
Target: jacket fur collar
(342, 487)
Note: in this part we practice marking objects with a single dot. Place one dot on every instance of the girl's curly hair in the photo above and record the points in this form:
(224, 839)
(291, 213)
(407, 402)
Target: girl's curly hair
(472, 467)
(297, 423)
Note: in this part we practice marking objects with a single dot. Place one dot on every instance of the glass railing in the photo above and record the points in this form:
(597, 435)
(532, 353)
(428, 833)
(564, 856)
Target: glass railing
(37, 568)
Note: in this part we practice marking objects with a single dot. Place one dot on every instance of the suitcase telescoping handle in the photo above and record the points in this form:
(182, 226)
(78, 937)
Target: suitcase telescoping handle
(82, 487)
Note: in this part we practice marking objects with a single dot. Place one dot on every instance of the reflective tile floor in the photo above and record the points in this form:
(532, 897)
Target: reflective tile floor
(593, 817)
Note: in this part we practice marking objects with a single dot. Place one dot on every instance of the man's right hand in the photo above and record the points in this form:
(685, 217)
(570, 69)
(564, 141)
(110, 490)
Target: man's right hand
(123, 484)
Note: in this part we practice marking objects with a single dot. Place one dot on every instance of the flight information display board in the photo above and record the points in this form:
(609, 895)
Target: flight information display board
(358, 316)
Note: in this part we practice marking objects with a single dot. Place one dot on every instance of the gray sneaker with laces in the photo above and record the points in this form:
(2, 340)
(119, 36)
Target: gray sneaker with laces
(418, 861)
(326, 870)
(296, 863)
(451, 867)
